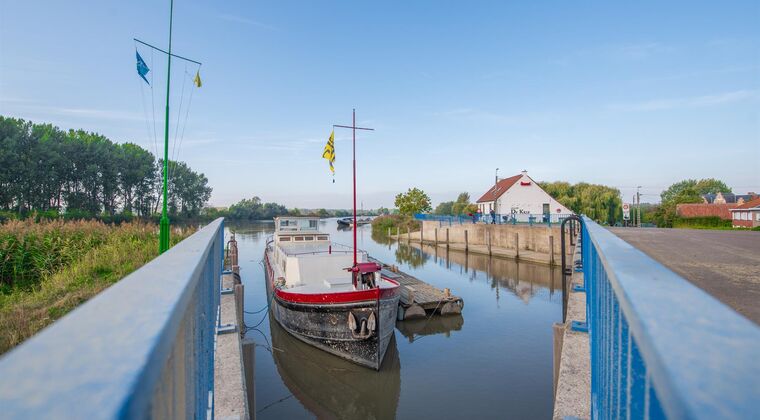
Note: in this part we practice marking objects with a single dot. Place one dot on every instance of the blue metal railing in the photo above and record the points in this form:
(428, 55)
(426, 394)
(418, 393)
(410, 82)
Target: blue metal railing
(661, 347)
(504, 219)
(142, 348)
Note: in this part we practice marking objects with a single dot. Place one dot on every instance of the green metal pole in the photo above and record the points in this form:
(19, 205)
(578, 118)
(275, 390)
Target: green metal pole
(164, 225)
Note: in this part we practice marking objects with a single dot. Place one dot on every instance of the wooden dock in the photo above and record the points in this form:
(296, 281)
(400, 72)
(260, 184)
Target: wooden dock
(419, 298)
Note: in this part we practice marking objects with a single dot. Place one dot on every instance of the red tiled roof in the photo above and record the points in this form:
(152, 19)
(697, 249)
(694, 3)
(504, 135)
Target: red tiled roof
(500, 188)
(749, 204)
(705, 210)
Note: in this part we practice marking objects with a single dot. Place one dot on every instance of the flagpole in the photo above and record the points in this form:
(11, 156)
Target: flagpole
(354, 144)
(163, 245)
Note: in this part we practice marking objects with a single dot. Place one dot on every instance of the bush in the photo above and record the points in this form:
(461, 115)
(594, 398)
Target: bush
(711, 222)
(381, 224)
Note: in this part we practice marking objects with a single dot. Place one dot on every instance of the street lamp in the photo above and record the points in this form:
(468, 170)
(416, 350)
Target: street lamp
(638, 206)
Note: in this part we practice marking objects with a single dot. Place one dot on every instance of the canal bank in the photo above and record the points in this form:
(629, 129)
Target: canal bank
(531, 243)
(501, 349)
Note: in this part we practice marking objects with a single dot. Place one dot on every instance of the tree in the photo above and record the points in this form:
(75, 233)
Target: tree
(682, 192)
(444, 208)
(322, 213)
(462, 205)
(43, 168)
(599, 202)
(413, 201)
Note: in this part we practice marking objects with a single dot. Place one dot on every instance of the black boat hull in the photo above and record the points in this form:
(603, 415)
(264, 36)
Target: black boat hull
(326, 325)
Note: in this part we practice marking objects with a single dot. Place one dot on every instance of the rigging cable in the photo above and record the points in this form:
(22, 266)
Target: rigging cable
(184, 124)
(176, 126)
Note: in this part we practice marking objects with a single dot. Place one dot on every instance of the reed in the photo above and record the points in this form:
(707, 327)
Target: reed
(102, 256)
(30, 250)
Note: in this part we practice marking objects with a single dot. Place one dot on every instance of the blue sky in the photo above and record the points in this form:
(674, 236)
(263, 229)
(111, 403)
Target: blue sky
(618, 94)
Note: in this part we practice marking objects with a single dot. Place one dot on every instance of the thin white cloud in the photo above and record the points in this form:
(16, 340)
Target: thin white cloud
(641, 50)
(245, 21)
(690, 102)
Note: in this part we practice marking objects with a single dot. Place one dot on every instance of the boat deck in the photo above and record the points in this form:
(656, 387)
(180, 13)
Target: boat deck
(416, 294)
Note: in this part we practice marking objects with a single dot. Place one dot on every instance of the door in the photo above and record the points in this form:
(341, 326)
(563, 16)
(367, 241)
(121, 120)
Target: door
(547, 212)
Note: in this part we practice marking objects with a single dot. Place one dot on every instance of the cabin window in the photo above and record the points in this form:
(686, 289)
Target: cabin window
(322, 238)
(313, 224)
(308, 238)
(284, 238)
(298, 238)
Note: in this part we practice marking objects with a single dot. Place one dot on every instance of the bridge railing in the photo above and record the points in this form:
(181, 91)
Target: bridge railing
(661, 347)
(142, 348)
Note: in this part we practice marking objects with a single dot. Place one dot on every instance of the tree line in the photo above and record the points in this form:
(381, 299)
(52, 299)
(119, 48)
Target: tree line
(598, 202)
(84, 175)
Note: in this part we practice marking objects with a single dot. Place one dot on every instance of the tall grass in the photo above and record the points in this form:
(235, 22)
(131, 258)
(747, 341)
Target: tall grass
(29, 250)
(102, 256)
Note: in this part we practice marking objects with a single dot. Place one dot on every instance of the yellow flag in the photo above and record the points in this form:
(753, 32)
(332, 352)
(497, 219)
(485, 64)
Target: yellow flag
(197, 79)
(329, 152)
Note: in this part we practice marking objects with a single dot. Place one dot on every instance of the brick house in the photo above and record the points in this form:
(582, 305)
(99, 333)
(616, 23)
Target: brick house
(746, 215)
(728, 198)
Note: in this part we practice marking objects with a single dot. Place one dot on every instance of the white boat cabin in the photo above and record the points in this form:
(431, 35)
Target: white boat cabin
(306, 260)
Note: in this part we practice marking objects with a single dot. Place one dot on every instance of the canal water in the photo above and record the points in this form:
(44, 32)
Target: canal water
(493, 361)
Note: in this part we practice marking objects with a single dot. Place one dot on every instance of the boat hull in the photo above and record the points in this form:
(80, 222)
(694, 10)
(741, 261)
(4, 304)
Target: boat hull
(324, 323)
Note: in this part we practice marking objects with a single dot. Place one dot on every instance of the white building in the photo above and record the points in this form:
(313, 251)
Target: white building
(519, 195)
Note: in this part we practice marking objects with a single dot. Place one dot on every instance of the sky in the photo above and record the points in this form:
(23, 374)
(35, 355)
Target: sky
(615, 93)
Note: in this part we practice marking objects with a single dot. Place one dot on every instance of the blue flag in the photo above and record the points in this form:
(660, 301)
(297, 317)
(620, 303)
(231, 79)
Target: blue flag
(142, 68)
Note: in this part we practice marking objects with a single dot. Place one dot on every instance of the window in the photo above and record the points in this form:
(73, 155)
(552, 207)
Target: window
(298, 238)
(308, 238)
(324, 237)
(284, 238)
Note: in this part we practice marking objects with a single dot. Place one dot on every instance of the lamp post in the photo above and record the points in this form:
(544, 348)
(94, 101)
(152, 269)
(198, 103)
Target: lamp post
(638, 206)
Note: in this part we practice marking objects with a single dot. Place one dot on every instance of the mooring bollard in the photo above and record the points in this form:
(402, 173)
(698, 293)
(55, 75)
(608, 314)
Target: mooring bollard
(488, 238)
(422, 228)
(466, 245)
(436, 237)
(447, 237)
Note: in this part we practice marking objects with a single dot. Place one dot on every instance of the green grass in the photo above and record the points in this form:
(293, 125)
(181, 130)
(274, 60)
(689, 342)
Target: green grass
(26, 309)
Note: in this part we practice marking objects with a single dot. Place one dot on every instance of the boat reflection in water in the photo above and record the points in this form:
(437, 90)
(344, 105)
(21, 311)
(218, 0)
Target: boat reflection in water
(331, 387)
(416, 328)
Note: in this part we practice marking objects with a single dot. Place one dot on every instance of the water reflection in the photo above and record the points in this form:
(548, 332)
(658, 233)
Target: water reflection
(416, 328)
(331, 387)
(524, 280)
(504, 353)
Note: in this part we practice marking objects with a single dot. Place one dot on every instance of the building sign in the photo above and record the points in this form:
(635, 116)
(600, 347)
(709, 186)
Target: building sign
(626, 211)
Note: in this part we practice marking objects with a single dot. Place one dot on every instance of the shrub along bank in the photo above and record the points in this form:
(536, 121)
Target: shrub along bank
(712, 222)
(381, 224)
(50, 268)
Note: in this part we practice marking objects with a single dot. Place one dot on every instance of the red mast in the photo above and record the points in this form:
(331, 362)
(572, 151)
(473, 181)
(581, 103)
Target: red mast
(353, 128)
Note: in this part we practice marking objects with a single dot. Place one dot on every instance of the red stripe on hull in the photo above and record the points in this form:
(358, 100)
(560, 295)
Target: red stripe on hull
(338, 297)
